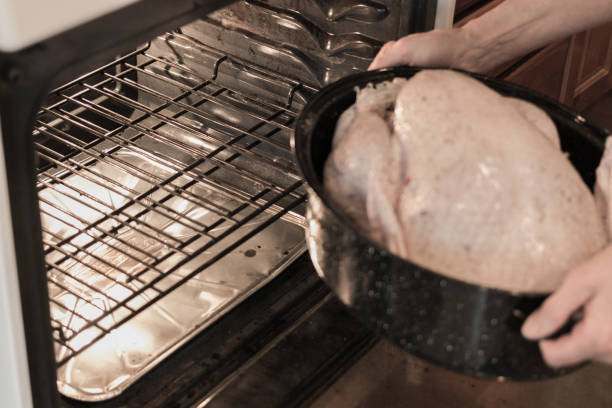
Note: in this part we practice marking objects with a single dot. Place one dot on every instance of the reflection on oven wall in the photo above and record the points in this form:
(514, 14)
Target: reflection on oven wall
(316, 41)
(134, 219)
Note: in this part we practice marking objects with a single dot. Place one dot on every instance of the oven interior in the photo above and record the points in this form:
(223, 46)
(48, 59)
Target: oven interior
(167, 188)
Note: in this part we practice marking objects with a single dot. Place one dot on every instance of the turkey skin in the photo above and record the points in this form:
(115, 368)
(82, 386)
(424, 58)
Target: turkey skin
(453, 176)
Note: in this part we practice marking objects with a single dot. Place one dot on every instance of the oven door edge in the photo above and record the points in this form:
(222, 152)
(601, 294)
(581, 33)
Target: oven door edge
(15, 382)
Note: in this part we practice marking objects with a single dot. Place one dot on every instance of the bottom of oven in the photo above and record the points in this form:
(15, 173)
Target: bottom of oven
(122, 356)
(281, 347)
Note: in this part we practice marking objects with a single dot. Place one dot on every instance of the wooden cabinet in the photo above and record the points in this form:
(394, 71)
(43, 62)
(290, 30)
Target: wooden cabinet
(588, 74)
(575, 71)
(462, 6)
(465, 10)
(545, 71)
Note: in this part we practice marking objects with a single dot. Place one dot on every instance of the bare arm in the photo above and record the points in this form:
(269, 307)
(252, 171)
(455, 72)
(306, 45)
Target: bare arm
(511, 29)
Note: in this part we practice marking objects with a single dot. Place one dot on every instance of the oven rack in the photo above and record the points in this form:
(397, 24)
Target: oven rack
(152, 170)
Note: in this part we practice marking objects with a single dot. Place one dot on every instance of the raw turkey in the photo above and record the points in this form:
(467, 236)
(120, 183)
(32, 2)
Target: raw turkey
(451, 175)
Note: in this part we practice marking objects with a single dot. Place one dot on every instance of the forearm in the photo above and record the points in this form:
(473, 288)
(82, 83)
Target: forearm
(516, 27)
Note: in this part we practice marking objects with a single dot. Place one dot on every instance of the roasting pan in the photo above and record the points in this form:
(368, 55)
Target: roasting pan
(464, 327)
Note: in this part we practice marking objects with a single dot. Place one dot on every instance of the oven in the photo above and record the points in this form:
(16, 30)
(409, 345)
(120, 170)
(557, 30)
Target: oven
(152, 243)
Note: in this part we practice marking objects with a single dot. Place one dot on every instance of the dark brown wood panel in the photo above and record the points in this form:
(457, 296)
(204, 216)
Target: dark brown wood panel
(589, 68)
(544, 72)
(478, 12)
(597, 39)
(462, 5)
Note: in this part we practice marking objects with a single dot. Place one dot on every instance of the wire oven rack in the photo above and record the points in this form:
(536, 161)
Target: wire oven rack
(167, 194)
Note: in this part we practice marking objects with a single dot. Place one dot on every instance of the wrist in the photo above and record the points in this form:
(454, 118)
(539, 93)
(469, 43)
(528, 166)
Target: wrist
(472, 53)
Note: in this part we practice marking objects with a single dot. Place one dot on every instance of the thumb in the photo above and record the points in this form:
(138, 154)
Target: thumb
(437, 48)
(573, 293)
(388, 55)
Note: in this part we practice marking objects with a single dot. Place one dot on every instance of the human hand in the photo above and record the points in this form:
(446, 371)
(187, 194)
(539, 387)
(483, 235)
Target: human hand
(438, 48)
(588, 286)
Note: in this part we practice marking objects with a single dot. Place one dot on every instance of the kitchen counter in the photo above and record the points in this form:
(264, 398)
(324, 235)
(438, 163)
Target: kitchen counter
(388, 377)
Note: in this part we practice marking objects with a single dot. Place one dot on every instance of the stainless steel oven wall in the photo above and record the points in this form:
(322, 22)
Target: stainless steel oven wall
(317, 41)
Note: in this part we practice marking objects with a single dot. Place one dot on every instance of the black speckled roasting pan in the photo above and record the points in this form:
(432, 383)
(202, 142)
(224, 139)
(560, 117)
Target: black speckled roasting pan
(464, 327)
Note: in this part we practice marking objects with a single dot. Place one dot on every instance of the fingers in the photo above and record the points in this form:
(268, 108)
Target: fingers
(590, 339)
(437, 48)
(580, 285)
(588, 286)
(575, 291)
(387, 56)
(570, 349)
